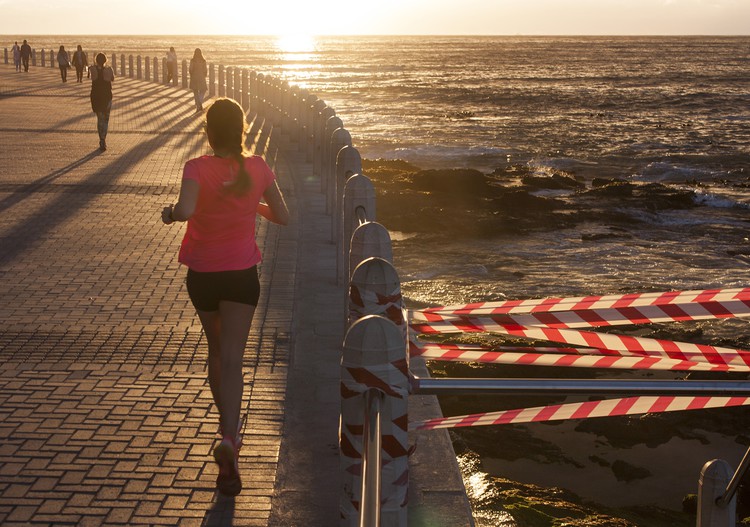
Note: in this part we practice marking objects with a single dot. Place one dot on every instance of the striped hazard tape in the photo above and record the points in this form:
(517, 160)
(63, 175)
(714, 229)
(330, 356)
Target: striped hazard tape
(583, 410)
(601, 359)
(720, 300)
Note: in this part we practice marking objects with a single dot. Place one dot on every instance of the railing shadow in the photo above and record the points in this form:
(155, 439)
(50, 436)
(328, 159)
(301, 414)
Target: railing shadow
(25, 189)
(221, 514)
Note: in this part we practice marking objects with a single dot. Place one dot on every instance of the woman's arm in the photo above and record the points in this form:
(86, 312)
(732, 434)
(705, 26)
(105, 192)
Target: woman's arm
(185, 206)
(274, 209)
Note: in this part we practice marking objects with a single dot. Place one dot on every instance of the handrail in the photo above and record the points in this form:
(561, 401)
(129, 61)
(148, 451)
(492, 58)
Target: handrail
(602, 387)
(371, 460)
(731, 489)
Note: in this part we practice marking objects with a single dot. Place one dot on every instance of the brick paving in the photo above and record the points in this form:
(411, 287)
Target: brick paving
(106, 417)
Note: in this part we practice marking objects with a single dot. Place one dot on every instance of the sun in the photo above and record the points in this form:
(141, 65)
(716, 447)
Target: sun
(295, 43)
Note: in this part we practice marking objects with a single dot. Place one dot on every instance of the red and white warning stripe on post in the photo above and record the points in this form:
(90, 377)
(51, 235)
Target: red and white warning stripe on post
(720, 300)
(583, 410)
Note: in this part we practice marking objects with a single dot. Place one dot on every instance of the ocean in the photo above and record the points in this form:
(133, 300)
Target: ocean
(628, 159)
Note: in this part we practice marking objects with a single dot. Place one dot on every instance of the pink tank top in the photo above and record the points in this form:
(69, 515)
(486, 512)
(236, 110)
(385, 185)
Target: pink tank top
(220, 235)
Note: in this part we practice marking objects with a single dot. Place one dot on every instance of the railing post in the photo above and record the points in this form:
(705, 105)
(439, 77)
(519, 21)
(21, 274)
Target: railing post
(138, 65)
(114, 62)
(122, 64)
(222, 90)
(211, 81)
(350, 164)
(184, 74)
(130, 65)
(229, 90)
(6, 55)
(164, 76)
(358, 193)
(714, 478)
(51, 62)
(156, 70)
(374, 357)
(33, 57)
(148, 68)
(245, 91)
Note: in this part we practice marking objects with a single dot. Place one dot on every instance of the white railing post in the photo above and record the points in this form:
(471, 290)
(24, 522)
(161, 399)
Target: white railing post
(714, 478)
(346, 163)
(374, 358)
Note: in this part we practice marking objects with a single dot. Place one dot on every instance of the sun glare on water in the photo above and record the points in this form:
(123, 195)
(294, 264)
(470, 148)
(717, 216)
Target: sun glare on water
(295, 43)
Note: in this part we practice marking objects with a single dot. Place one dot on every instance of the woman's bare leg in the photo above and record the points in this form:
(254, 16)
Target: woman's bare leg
(236, 319)
(211, 321)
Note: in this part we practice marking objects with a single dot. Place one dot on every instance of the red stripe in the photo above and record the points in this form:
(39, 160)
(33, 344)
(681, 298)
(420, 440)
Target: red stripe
(468, 308)
(662, 403)
(549, 319)
(606, 362)
(585, 410)
(592, 317)
(697, 403)
(545, 305)
(506, 306)
(626, 300)
(623, 406)
(586, 302)
(634, 315)
(717, 309)
(546, 413)
(707, 295)
(675, 312)
(507, 417)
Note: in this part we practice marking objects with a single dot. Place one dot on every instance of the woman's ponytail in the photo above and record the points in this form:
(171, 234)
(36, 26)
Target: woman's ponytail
(225, 121)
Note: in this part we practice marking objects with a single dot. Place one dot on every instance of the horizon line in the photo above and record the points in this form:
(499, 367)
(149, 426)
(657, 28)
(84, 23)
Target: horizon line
(736, 35)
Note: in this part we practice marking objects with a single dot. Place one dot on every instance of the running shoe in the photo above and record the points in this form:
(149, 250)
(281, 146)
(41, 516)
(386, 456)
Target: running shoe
(227, 458)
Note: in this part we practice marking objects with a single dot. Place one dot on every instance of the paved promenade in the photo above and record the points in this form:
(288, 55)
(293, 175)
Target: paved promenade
(106, 417)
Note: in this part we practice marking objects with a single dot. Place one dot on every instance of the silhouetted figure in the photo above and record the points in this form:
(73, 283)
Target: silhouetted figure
(102, 77)
(25, 55)
(80, 61)
(198, 72)
(219, 198)
(172, 66)
(63, 60)
(16, 49)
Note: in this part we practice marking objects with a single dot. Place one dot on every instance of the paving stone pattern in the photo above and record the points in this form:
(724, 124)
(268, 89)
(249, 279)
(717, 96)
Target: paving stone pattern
(106, 417)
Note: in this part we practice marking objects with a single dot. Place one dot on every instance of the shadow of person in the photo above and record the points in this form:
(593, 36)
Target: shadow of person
(221, 514)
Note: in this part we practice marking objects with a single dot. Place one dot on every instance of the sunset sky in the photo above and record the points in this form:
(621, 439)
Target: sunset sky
(376, 17)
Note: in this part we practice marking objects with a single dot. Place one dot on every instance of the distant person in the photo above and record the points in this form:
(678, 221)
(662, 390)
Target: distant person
(25, 55)
(198, 72)
(102, 77)
(220, 196)
(16, 49)
(63, 60)
(80, 61)
(171, 66)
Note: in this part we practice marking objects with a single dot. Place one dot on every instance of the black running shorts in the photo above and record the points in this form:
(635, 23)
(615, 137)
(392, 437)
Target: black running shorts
(206, 290)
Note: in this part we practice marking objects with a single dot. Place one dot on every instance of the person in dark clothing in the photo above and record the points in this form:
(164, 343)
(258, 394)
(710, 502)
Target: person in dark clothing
(25, 55)
(80, 61)
(101, 96)
(63, 60)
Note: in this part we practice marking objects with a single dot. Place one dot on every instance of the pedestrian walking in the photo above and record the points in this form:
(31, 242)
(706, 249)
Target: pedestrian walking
(16, 49)
(63, 60)
(171, 66)
(220, 196)
(25, 55)
(102, 77)
(80, 61)
(198, 72)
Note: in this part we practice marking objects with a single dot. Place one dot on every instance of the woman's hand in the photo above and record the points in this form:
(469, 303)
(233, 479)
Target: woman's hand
(166, 215)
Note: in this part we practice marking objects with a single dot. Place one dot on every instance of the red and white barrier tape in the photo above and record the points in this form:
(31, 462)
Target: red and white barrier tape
(608, 341)
(709, 297)
(582, 410)
(600, 360)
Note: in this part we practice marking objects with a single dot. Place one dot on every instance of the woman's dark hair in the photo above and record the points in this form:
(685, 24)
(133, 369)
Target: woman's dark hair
(101, 58)
(226, 125)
